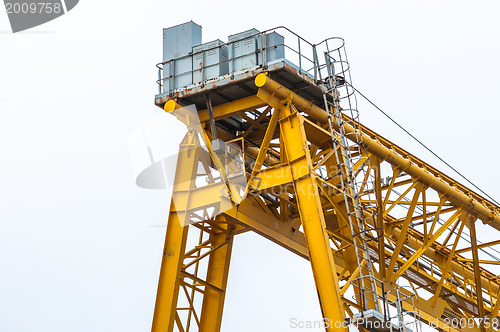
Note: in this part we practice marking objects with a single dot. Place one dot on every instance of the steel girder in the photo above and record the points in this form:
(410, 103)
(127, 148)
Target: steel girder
(293, 199)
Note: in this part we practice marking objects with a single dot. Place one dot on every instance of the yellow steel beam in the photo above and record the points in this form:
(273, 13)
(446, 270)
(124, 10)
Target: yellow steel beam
(400, 198)
(265, 224)
(450, 233)
(414, 242)
(198, 198)
(339, 212)
(424, 212)
(402, 237)
(252, 216)
(380, 218)
(482, 261)
(217, 273)
(442, 200)
(395, 173)
(446, 268)
(494, 313)
(169, 281)
(421, 217)
(256, 122)
(311, 214)
(271, 178)
(175, 240)
(477, 271)
(271, 91)
(408, 203)
(221, 111)
(483, 245)
(264, 147)
(304, 184)
(426, 245)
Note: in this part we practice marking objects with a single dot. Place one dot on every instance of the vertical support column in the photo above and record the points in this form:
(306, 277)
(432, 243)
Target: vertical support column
(176, 236)
(311, 215)
(380, 216)
(477, 270)
(494, 313)
(217, 274)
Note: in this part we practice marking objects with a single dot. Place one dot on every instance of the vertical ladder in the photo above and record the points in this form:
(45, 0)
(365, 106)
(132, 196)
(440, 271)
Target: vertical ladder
(348, 154)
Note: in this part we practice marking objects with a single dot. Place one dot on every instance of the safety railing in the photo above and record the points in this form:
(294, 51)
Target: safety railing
(370, 297)
(398, 314)
(407, 319)
(297, 51)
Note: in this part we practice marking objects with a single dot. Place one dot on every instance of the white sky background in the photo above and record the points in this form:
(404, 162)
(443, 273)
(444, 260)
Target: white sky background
(77, 248)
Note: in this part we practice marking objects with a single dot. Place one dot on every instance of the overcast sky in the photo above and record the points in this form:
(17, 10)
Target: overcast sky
(80, 244)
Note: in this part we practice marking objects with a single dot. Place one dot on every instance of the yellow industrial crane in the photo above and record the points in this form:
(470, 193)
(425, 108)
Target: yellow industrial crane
(274, 146)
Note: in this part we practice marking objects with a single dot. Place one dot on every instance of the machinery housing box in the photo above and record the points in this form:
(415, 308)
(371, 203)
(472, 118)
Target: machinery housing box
(250, 49)
(178, 42)
(210, 61)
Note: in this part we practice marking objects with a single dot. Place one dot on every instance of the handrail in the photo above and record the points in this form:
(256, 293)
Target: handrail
(296, 46)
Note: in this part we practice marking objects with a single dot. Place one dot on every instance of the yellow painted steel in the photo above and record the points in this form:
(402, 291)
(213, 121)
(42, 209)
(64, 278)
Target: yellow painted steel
(380, 219)
(217, 274)
(477, 272)
(320, 254)
(170, 106)
(253, 217)
(446, 267)
(426, 245)
(270, 90)
(220, 111)
(175, 239)
(168, 284)
(285, 191)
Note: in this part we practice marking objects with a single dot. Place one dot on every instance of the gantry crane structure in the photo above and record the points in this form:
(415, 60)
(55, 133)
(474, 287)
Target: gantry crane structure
(275, 147)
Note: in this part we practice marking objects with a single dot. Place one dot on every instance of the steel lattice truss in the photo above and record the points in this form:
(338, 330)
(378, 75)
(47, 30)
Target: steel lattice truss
(424, 228)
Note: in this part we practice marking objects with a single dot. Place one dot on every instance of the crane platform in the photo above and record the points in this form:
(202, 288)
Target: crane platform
(239, 85)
